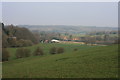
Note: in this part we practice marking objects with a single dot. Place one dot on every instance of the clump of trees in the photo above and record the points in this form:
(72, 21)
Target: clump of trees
(4, 40)
(22, 52)
(60, 50)
(14, 36)
(38, 52)
(24, 43)
(5, 54)
(55, 50)
(75, 49)
(90, 40)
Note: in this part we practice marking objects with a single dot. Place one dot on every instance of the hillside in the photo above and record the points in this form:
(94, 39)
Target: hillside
(87, 62)
(68, 28)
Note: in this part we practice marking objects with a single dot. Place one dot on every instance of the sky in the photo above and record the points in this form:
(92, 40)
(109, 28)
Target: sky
(102, 14)
(0, 11)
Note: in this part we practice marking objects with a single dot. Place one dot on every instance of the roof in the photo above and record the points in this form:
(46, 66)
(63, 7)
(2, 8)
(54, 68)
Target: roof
(55, 40)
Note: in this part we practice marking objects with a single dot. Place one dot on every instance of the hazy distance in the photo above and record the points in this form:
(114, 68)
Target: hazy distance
(102, 14)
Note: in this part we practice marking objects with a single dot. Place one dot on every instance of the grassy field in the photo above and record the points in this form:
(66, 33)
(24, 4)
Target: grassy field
(87, 62)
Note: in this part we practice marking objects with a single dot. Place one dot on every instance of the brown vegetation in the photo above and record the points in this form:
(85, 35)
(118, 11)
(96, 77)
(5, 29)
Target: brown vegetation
(38, 51)
(60, 50)
(53, 50)
(14, 36)
(22, 52)
(5, 54)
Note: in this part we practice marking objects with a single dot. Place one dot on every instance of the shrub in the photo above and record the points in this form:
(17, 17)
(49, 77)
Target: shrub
(27, 52)
(75, 49)
(24, 43)
(60, 50)
(53, 50)
(5, 54)
(27, 43)
(38, 52)
(19, 53)
(22, 52)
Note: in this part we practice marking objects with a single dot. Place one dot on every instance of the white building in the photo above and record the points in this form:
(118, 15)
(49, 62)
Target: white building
(55, 41)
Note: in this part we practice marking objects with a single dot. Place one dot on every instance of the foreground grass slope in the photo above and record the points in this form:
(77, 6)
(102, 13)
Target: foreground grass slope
(69, 47)
(87, 62)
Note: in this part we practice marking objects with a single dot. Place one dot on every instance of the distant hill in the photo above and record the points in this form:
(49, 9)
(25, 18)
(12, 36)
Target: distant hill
(68, 28)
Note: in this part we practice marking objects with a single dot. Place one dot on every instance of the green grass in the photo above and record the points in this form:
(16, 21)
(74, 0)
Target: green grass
(46, 47)
(87, 62)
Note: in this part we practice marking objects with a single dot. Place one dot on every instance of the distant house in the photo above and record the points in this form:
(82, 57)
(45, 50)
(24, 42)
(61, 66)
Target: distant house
(65, 38)
(46, 41)
(75, 39)
(55, 41)
(81, 42)
(12, 38)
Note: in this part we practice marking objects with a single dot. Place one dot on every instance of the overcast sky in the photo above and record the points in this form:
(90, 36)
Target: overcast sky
(61, 13)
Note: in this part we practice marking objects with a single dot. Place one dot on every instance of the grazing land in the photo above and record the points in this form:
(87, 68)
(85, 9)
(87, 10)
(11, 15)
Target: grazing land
(86, 62)
(59, 40)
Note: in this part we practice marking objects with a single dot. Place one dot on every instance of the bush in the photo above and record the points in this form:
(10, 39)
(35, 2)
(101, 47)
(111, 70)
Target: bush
(19, 53)
(24, 43)
(75, 49)
(5, 54)
(38, 52)
(60, 50)
(53, 50)
(27, 52)
(22, 52)
(27, 43)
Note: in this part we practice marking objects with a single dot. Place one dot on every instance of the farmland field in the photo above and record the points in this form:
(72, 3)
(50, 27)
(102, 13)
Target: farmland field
(86, 62)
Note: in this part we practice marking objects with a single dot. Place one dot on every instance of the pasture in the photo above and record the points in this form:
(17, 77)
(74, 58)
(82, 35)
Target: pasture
(86, 62)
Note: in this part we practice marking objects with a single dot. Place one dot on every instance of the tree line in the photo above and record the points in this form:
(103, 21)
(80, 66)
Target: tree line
(14, 36)
(25, 52)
